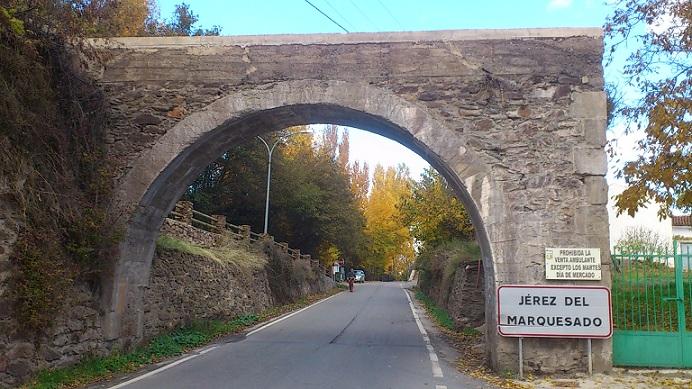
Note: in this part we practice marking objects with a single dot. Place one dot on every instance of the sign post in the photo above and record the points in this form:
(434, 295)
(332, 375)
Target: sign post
(546, 311)
(521, 358)
(564, 311)
(588, 350)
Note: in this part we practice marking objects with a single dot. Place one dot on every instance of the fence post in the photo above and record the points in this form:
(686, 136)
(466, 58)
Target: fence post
(284, 247)
(245, 232)
(296, 254)
(184, 208)
(219, 223)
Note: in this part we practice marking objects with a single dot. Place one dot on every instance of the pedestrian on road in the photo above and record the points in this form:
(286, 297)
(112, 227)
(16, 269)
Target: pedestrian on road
(350, 277)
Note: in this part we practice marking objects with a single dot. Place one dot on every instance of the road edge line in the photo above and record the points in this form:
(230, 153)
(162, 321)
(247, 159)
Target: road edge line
(434, 360)
(212, 347)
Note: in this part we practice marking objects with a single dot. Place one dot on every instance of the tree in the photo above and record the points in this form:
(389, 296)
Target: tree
(344, 152)
(311, 206)
(391, 244)
(434, 214)
(183, 23)
(642, 240)
(360, 182)
(661, 68)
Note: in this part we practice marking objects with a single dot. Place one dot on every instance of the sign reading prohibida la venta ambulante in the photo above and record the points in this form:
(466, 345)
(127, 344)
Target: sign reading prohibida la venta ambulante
(572, 264)
(554, 311)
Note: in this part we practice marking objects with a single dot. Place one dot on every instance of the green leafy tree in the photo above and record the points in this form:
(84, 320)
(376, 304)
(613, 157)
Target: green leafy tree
(660, 67)
(183, 23)
(433, 213)
(311, 203)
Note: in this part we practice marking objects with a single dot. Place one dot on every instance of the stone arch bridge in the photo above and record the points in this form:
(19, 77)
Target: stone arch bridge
(514, 119)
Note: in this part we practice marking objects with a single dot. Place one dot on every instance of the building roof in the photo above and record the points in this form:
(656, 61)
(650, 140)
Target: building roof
(685, 220)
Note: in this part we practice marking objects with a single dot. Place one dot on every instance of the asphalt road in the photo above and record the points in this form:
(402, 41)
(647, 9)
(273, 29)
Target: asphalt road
(366, 339)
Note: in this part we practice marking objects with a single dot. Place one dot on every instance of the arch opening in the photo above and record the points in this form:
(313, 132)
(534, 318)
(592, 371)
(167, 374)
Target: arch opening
(161, 175)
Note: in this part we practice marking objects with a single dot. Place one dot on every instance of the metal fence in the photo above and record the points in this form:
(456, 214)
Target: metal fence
(652, 307)
(217, 224)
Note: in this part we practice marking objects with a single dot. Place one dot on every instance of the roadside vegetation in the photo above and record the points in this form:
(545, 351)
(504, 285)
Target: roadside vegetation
(55, 174)
(469, 342)
(222, 253)
(171, 344)
(439, 315)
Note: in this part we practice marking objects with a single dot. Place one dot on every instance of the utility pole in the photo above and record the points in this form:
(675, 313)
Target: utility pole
(270, 151)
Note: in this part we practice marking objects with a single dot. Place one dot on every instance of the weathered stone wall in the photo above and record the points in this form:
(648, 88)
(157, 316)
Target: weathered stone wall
(76, 332)
(182, 288)
(466, 302)
(457, 286)
(189, 233)
(186, 287)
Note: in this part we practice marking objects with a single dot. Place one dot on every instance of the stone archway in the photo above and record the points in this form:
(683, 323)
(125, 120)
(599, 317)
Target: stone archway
(514, 119)
(159, 177)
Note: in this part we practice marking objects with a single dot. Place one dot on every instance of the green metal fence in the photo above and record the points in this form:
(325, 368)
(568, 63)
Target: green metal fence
(652, 311)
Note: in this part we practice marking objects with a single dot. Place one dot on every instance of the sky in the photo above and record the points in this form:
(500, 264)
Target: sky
(250, 17)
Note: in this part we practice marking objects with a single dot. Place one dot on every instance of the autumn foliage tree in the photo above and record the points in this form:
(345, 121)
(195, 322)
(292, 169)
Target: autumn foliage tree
(391, 245)
(434, 214)
(660, 69)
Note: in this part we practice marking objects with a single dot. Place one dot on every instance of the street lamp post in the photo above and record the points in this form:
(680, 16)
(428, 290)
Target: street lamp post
(270, 151)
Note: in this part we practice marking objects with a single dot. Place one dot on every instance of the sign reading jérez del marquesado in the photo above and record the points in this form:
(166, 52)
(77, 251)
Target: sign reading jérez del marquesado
(554, 311)
(572, 263)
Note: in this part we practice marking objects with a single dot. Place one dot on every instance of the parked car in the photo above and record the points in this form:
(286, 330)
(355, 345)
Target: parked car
(360, 276)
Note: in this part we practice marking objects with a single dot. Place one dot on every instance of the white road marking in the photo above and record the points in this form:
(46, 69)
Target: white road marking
(440, 387)
(202, 352)
(436, 369)
(287, 316)
(151, 373)
(207, 350)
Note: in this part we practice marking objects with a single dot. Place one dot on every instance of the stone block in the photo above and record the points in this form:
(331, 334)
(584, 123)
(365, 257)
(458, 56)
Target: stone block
(21, 350)
(590, 161)
(20, 368)
(596, 190)
(591, 221)
(588, 105)
(147, 119)
(594, 131)
(50, 354)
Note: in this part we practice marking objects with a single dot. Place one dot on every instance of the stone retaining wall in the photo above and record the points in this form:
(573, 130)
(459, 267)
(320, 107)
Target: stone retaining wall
(186, 287)
(76, 333)
(183, 288)
(459, 292)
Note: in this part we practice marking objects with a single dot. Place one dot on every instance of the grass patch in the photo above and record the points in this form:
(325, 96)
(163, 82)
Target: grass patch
(177, 342)
(224, 254)
(642, 293)
(163, 346)
(440, 315)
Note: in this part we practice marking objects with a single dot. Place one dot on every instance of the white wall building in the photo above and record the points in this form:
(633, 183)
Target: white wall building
(677, 227)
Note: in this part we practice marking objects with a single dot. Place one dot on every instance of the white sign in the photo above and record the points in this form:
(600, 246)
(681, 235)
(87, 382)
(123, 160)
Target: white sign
(554, 311)
(572, 264)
